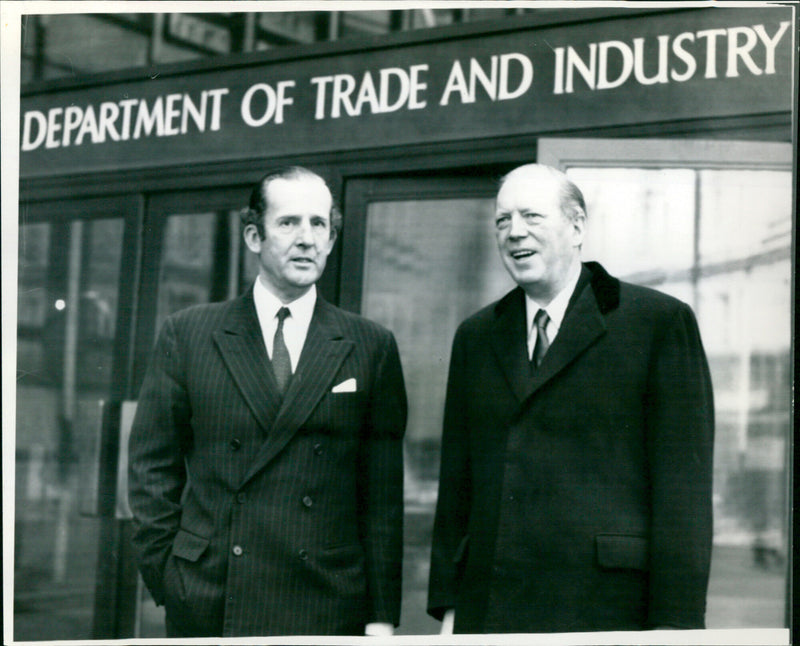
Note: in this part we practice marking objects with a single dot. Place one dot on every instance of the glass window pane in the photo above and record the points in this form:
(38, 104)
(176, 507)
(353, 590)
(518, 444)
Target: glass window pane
(186, 263)
(745, 212)
(750, 363)
(200, 259)
(80, 44)
(68, 282)
(429, 264)
(641, 221)
(34, 249)
(363, 23)
(297, 26)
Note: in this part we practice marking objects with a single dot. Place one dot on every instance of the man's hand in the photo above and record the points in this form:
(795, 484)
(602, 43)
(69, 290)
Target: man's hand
(447, 622)
(378, 629)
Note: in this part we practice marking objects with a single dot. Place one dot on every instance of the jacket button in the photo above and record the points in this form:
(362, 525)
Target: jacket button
(307, 501)
(303, 554)
(318, 449)
(235, 444)
(237, 550)
(241, 497)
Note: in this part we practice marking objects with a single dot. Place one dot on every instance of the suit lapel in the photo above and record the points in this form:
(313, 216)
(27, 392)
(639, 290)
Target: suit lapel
(241, 345)
(323, 353)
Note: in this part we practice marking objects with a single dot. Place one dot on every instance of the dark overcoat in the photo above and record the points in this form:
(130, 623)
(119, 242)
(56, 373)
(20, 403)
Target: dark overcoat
(576, 497)
(262, 515)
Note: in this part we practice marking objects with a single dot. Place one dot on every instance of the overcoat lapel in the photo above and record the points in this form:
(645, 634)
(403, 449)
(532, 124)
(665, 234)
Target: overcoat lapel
(323, 353)
(583, 324)
(241, 345)
(509, 342)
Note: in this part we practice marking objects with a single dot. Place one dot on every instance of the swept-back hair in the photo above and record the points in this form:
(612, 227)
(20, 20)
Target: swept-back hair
(570, 196)
(254, 213)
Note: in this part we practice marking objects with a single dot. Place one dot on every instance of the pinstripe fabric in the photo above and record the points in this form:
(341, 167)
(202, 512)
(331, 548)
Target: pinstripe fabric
(254, 517)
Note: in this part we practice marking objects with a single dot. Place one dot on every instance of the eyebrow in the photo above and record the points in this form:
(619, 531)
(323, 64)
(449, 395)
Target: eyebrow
(300, 215)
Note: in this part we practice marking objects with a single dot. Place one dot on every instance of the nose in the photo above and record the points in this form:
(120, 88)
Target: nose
(304, 233)
(517, 228)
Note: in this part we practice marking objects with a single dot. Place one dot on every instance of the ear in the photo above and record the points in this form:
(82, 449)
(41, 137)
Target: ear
(331, 239)
(251, 238)
(578, 227)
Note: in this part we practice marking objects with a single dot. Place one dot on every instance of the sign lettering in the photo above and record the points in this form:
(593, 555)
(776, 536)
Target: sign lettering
(122, 120)
(693, 64)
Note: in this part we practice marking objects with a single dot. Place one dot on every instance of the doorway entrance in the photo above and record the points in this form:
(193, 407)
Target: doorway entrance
(72, 302)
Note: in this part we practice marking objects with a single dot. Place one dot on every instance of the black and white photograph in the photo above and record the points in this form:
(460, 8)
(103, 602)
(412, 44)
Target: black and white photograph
(398, 322)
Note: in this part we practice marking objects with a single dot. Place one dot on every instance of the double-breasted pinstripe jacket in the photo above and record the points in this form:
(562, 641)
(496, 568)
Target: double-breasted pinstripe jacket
(261, 515)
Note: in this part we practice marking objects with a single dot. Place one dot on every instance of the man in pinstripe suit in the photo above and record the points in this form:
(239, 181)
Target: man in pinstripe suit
(266, 470)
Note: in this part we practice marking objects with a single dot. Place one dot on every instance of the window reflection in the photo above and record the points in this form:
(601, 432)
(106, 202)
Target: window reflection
(67, 309)
(744, 213)
(429, 264)
(641, 221)
(199, 261)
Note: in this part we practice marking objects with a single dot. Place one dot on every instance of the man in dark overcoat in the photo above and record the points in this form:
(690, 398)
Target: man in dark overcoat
(576, 466)
(266, 465)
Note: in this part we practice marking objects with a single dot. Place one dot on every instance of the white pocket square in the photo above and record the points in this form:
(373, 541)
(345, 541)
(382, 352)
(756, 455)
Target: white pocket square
(347, 386)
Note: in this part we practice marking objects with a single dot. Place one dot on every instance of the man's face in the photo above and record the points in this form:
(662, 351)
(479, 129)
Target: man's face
(297, 236)
(537, 242)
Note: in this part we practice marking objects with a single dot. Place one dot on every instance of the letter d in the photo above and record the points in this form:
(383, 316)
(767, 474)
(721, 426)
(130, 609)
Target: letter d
(525, 82)
(41, 133)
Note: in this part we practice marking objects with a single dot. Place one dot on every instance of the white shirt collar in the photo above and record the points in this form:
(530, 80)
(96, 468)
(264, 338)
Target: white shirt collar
(556, 309)
(301, 308)
(295, 327)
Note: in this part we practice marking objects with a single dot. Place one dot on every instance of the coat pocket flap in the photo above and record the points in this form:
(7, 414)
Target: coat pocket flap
(461, 550)
(189, 546)
(619, 551)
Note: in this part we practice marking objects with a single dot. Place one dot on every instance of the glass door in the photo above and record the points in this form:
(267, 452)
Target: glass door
(71, 303)
(193, 253)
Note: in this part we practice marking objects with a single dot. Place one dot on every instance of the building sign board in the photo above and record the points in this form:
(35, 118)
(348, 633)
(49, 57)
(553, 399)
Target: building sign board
(708, 63)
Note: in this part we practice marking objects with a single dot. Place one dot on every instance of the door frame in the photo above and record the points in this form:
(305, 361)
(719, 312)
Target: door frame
(157, 208)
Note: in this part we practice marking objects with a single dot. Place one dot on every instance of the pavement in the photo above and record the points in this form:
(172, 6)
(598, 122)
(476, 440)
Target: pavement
(745, 592)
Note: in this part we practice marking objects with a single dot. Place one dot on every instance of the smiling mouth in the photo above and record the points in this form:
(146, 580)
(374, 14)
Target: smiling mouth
(521, 254)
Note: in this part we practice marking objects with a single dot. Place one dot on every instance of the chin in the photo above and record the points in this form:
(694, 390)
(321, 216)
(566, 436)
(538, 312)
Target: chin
(304, 278)
(524, 279)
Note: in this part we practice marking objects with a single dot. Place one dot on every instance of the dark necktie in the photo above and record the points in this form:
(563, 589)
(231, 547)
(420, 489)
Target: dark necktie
(542, 342)
(281, 364)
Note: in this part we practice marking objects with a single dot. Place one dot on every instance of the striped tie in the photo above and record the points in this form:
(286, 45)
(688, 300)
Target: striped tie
(542, 342)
